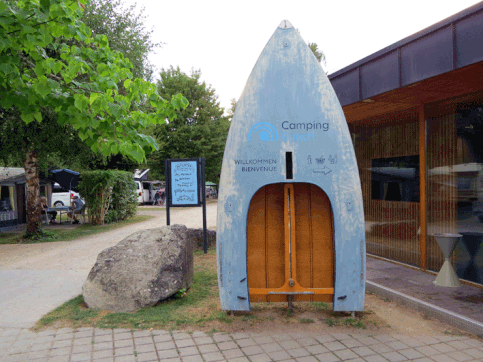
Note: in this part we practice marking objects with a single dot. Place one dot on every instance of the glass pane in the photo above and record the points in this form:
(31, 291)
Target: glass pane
(387, 154)
(455, 187)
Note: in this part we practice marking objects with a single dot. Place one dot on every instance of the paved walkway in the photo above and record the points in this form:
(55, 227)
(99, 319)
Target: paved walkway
(87, 344)
(466, 301)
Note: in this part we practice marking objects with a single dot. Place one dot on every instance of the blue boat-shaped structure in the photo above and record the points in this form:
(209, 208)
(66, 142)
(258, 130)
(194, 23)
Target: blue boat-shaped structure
(290, 213)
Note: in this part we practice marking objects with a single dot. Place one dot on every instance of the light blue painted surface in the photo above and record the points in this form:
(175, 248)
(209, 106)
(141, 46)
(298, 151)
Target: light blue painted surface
(289, 105)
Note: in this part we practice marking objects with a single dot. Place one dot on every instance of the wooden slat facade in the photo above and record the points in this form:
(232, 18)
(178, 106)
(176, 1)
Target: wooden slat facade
(391, 226)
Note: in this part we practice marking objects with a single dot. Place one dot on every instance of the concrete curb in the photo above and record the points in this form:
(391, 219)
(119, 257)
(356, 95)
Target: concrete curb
(456, 320)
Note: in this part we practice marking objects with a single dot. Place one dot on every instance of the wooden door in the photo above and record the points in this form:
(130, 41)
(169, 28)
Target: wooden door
(290, 244)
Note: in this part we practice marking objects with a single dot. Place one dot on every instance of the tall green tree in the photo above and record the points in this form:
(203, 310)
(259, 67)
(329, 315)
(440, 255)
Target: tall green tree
(51, 65)
(199, 130)
(125, 28)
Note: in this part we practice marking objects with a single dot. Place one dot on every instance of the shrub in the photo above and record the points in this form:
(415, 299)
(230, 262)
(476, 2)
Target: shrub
(95, 187)
(110, 195)
(124, 202)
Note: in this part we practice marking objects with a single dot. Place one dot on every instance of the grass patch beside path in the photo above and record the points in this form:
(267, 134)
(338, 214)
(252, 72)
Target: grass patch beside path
(199, 309)
(69, 232)
(189, 309)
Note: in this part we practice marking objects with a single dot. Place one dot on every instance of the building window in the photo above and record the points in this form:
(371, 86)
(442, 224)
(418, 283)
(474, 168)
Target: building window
(6, 199)
(396, 178)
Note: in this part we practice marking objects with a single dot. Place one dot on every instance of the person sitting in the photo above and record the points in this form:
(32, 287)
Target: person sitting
(44, 206)
(77, 205)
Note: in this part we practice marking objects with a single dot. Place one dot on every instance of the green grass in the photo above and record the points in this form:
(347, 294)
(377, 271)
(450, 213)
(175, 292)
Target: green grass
(172, 313)
(211, 251)
(350, 322)
(67, 234)
(322, 306)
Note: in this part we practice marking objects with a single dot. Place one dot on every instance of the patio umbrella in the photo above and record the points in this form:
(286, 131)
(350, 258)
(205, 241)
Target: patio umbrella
(66, 178)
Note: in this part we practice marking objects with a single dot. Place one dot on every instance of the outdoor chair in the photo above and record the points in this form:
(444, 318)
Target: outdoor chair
(81, 212)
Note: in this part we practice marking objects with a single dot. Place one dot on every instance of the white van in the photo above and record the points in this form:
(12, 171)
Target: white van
(145, 192)
(61, 196)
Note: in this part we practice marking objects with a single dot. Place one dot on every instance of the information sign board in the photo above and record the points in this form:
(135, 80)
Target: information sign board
(184, 182)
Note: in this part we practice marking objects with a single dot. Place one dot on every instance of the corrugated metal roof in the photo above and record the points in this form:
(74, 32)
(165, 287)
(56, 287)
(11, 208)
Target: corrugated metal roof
(7, 173)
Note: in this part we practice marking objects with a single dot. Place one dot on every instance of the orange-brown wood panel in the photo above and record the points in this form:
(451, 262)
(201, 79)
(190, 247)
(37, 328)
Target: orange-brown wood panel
(275, 239)
(256, 244)
(298, 215)
(323, 243)
(303, 237)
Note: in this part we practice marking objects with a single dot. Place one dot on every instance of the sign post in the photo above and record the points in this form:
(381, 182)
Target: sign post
(185, 187)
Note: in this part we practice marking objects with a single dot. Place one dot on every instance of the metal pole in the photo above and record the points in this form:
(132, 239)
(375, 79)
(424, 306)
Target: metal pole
(203, 191)
(167, 189)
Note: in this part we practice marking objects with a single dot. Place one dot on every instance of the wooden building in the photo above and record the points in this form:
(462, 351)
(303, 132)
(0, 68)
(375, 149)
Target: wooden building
(13, 196)
(415, 113)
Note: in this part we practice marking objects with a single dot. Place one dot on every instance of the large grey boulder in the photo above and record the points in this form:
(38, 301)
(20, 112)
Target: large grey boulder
(143, 269)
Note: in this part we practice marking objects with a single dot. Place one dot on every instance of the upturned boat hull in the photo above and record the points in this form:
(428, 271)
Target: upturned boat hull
(290, 212)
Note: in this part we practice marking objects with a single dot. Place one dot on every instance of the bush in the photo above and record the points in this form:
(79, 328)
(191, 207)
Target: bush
(124, 201)
(110, 195)
(95, 187)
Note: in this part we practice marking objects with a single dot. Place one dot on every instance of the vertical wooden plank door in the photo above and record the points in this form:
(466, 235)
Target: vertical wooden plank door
(290, 244)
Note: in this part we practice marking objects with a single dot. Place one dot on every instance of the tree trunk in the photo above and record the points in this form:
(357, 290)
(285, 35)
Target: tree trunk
(33, 191)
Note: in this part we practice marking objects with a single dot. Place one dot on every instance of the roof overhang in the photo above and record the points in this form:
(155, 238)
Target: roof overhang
(440, 62)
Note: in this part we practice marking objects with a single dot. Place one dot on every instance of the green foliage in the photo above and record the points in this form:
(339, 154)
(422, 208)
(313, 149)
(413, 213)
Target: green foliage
(180, 293)
(40, 235)
(124, 202)
(96, 187)
(231, 110)
(199, 130)
(49, 60)
(318, 54)
(124, 27)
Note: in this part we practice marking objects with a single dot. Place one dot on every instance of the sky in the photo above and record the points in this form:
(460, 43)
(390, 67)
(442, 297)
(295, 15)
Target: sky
(223, 39)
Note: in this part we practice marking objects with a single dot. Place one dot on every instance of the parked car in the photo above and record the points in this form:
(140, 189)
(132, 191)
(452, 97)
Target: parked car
(61, 196)
(145, 191)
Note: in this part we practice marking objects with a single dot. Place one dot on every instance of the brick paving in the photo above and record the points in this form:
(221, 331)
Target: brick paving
(120, 345)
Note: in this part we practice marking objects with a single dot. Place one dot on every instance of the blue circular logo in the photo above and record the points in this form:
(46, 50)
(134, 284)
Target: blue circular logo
(264, 136)
(266, 132)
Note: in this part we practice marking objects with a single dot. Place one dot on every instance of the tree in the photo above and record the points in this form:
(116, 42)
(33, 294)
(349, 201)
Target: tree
(318, 54)
(199, 130)
(51, 67)
(124, 27)
(231, 110)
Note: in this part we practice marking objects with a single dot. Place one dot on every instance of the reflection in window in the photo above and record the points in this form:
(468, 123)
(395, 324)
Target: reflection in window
(396, 178)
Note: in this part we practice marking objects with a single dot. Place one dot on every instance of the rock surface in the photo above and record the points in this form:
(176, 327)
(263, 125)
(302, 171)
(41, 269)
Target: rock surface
(196, 235)
(141, 270)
